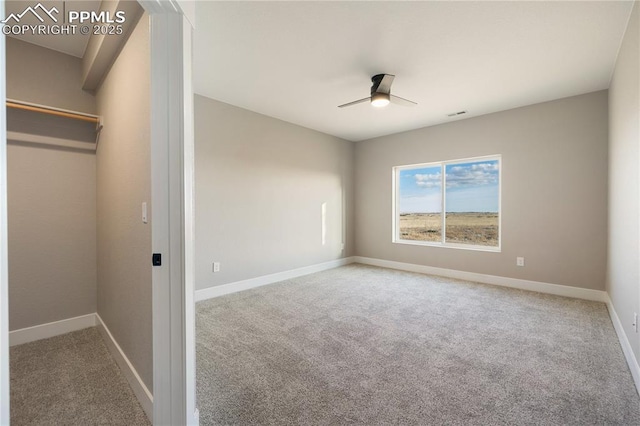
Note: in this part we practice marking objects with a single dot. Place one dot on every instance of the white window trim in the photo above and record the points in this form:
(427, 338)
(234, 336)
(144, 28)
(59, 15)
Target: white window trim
(395, 236)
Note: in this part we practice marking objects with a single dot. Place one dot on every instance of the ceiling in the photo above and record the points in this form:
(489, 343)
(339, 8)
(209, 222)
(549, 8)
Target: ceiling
(297, 61)
(71, 44)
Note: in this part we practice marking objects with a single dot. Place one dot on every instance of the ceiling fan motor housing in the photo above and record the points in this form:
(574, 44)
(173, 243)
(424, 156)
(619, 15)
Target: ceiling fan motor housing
(376, 80)
(381, 93)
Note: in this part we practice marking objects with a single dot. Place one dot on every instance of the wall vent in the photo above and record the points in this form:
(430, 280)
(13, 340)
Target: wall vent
(455, 114)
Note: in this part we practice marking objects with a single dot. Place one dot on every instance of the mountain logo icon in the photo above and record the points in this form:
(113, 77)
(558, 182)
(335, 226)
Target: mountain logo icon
(43, 11)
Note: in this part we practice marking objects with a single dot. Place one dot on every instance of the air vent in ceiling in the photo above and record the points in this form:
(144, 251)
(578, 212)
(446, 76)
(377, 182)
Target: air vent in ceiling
(455, 114)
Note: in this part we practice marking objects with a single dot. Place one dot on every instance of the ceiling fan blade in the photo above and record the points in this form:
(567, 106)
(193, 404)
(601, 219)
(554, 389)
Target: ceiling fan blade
(359, 101)
(385, 84)
(401, 101)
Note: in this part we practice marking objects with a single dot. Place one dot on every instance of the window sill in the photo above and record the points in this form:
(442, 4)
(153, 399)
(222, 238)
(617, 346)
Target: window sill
(449, 245)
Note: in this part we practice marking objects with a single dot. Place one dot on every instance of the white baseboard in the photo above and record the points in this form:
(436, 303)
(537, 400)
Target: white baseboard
(221, 290)
(537, 286)
(129, 372)
(51, 329)
(624, 342)
(540, 287)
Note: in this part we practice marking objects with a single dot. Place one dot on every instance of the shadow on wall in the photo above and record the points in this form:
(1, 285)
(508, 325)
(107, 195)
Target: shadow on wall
(267, 192)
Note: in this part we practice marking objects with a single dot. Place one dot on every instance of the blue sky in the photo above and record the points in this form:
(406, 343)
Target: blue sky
(471, 187)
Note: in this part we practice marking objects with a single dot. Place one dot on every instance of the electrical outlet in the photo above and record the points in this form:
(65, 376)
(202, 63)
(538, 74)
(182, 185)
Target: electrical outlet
(216, 266)
(520, 261)
(635, 322)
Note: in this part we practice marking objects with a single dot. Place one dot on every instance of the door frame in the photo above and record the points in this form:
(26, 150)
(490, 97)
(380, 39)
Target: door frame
(172, 178)
(4, 276)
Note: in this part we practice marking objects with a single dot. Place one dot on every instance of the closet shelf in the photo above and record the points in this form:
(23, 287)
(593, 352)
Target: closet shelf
(48, 140)
(25, 134)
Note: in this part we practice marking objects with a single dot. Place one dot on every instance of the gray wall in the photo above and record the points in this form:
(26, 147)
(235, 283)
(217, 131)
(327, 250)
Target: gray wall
(123, 184)
(554, 190)
(260, 184)
(623, 275)
(52, 235)
(47, 77)
(51, 198)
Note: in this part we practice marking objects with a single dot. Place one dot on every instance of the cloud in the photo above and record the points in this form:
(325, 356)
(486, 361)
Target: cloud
(428, 180)
(476, 174)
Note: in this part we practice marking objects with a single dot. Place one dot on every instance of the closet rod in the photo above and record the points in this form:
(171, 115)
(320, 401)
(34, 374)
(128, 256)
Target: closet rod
(53, 111)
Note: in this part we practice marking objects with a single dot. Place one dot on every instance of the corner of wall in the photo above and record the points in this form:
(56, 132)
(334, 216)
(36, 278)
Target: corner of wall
(623, 270)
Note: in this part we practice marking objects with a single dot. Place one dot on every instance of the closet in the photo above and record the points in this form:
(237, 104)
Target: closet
(79, 174)
(51, 214)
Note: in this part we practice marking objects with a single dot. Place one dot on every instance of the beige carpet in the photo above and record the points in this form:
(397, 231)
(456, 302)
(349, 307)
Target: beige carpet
(372, 346)
(70, 380)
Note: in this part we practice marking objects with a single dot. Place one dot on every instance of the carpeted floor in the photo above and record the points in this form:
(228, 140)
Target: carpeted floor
(70, 380)
(372, 346)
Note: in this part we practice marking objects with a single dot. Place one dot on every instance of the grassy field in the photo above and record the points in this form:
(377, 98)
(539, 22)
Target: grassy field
(464, 228)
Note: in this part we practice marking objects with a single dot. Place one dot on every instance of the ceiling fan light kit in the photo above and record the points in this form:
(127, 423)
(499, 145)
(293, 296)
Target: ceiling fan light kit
(381, 93)
(379, 100)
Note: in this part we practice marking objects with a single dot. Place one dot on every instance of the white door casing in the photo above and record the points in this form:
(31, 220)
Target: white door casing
(4, 277)
(172, 149)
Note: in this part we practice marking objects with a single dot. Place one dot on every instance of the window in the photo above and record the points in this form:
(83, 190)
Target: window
(470, 201)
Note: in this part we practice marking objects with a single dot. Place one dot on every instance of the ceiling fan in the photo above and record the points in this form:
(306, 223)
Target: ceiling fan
(381, 93)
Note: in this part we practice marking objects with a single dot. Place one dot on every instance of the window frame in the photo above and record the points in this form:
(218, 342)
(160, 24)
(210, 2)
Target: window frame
(395, 173)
